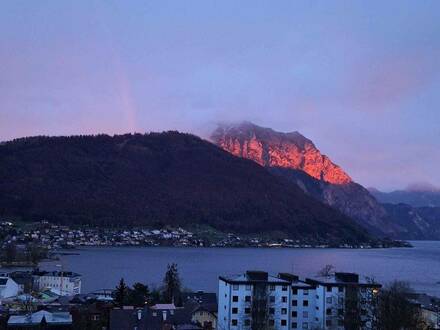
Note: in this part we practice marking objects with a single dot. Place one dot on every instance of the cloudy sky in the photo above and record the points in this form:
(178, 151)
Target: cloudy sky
(360, 78)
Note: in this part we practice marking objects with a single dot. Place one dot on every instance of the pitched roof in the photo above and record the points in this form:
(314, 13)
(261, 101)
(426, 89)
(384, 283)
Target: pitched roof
(58, 318)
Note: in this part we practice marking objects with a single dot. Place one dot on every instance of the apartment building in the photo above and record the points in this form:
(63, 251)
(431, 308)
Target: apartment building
(257, 300)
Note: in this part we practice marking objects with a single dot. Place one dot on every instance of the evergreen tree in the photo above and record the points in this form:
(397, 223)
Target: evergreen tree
(140, 295)
(172, 285)
(121, 293)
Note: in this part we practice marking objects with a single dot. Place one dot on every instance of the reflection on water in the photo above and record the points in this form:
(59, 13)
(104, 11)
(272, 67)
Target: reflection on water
(200, 267)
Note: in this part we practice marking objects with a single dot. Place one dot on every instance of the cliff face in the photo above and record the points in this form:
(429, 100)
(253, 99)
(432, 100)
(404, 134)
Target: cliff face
(296, 158)
(274, 149)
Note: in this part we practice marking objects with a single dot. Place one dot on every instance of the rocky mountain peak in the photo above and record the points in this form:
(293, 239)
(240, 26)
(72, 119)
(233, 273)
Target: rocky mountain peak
(275, 149)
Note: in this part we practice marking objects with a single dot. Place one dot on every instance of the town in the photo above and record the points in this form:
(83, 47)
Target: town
(54, 237)
(253, 300)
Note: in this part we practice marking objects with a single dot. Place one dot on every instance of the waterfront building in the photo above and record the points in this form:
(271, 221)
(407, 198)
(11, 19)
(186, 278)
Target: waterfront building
(60, 282)
(259, 300)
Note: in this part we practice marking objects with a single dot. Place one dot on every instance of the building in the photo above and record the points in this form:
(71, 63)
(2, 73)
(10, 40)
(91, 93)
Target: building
(62, 283)
(286, 302)
(41, 320)
(254, 297)
(8, 287)
(341, 299)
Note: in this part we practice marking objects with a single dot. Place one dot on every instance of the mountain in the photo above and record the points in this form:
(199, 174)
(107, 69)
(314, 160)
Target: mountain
(157, 179)
(274, 149)
(418, 222)
(413, 197)
(296, 158)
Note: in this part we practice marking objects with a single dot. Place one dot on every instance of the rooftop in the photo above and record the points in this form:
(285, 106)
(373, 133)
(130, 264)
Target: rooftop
(341, 279)
(249, 277)
(36, 318)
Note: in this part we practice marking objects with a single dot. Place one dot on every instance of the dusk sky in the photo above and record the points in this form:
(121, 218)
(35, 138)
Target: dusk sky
(359, 78)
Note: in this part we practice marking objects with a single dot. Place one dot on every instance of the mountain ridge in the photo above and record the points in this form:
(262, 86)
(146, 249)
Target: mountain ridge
(330, 183)
(156, 179)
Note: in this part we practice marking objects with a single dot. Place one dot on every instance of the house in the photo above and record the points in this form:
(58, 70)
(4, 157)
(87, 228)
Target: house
(286, 302)
(8, 287)
(41, 320)
(158, 317)
(24, 280)
(60, 282)
(205, 316)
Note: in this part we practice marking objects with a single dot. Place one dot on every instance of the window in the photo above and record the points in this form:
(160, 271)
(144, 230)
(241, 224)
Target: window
(272, 322)
(294, 314)
(248, 287)
(283, 323)
(247, 298)
(272, 311)
(234, 310)
(329, 300)
(328, 323)
(340, 301)
(234, 322)
(284, 311)
(272, 299)
(340, 312)
(329, 289)
(363, 290)
(272, 287)
(306, 292)
(247, 310)
(305, 314)
(340, 323)
(235, 287)
(247, 322)
(340, 289)
(294, 325)
(305, 303)
(328, 311)
(305, 325)
(294, 291)
(284, 299)
(294, 302)
(235, 298)
(95, 317)
(284, 288)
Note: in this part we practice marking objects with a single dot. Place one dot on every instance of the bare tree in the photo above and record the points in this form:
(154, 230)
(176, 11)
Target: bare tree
(327, 270)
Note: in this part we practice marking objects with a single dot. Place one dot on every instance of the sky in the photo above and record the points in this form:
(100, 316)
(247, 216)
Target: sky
(359, 78)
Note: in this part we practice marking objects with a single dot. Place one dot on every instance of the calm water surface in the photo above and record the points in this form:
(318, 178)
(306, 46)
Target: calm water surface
(200, 267)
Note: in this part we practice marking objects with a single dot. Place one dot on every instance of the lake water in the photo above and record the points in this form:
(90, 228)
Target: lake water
(200, 267)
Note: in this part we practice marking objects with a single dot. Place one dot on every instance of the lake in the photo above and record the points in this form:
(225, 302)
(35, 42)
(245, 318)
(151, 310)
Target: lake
(200, 267)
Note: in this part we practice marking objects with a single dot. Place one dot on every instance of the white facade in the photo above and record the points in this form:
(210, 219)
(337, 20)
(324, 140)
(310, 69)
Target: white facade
(63, 283)
(291, 303)
(8, 287)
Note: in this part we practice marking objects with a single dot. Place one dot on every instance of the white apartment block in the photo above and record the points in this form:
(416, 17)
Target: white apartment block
(62, 283)
(285, 302)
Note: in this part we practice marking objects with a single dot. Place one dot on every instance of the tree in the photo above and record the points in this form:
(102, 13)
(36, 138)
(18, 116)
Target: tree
(11, 252)
(139, 296)
(172, 285)
(260, 307)
(327, 270)
(121, 293)
(395, 311)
